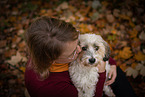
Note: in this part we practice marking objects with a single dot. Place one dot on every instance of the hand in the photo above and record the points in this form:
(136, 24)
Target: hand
(112, 75)
(101, 67)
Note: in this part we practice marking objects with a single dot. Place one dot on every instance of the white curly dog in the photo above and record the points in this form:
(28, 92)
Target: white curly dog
(83, 70)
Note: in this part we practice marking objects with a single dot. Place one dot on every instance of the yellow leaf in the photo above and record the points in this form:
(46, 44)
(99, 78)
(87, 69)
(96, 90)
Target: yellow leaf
(117, 25)
(140, 56)
(123, 67)
(125, 17)
(22, 44)
(131, 24)
(12, 19)
(101, 23)
(84, 28)
(113, 31)
(133, 65)
(125, 53)
(42, 11)
(105, 3)
(135, 43)
(133, 34)
(22, 68)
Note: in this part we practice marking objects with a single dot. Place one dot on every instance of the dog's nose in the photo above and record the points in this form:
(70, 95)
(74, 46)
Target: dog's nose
(92, 60)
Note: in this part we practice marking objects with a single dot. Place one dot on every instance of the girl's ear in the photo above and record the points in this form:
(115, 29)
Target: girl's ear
(107, 51)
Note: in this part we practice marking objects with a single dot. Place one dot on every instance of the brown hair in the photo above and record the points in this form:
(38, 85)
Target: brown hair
(45, 39)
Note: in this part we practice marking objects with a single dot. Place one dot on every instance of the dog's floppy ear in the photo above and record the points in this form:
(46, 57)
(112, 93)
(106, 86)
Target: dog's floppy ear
(107, 51)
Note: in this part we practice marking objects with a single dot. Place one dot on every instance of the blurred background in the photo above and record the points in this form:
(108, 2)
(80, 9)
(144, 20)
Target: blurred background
(120, 22)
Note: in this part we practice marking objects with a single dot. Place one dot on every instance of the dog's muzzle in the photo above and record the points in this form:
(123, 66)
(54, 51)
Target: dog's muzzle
(92, 60)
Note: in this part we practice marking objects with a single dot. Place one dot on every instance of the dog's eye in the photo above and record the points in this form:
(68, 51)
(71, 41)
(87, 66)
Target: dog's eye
(84, 48)
(97, 47)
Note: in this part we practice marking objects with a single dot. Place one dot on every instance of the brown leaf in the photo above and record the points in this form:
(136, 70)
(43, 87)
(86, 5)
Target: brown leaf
(125, 53)
(9, 53)
(139, 56)
(133, 65)
(123, 67)
(22, 44)
(110, 18)
(135, 43)
(3, 43)
(16, 39)
(133, 33)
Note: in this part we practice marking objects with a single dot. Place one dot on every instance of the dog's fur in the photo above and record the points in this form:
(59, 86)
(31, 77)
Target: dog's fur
(83, 70)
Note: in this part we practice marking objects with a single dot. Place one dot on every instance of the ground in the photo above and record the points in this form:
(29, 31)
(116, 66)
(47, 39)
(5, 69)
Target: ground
(120, 22)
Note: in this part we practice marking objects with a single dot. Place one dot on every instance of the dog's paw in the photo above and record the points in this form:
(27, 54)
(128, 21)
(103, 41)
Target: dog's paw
(108, 91)
(111, 94)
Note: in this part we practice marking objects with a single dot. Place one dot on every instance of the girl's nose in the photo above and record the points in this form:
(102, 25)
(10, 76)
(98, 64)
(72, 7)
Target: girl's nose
(79, 49)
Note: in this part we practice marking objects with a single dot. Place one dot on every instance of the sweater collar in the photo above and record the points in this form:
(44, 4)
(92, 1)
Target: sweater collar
(57, 67)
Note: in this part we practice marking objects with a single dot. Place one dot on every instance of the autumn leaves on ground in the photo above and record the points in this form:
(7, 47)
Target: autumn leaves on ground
(120, 22)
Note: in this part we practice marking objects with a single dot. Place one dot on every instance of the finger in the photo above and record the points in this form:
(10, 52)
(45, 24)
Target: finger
(110, 74)
(108, 83)
(113, 77)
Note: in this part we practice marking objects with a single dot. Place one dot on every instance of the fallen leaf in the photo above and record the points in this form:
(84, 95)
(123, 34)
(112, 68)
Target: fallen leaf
(113, 31)
(135, 43)
(122, 27)
(133, 65)
(101, 23)
(133, 33)
(12, 18)
(126, 53)
(63, 5)
(142, 35)
(139, 56)
(125, 17)
(142, 71)
(22, 44)
(138, 28)
(123, 67)
(22, 68)
(16, 39)
(95, 16)
(10, 52)
(130, 61)
(105, 3)
(116, 12)
(139, 66)
(111, 37)
(15, 59)
(3, 43)
(20, 32)
(96, 4)
(131, 24)
(129, 13)
(110, 18)
(83, 28)
(131, 72)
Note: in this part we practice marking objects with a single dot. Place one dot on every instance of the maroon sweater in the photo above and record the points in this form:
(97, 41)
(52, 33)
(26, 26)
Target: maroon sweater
(58, 84)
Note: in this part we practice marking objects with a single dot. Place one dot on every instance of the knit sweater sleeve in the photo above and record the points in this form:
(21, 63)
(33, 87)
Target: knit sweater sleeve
(100, 84)
(101, 81)
(112, 61)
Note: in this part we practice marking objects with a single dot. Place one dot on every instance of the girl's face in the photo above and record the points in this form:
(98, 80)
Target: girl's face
(72, 49)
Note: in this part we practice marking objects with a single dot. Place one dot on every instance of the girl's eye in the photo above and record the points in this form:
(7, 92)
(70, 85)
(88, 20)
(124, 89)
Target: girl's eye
(84, 48)
(97, 47)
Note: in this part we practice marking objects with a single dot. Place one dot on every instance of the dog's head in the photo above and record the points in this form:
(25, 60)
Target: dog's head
(94, 49)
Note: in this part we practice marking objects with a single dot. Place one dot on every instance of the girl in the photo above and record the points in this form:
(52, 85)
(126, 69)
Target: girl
(52, 45)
